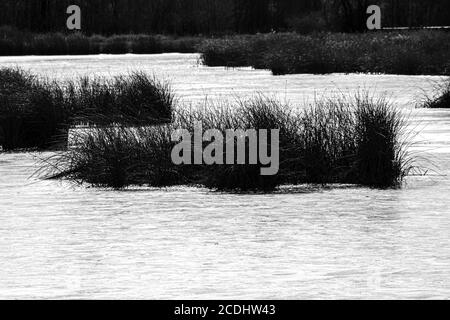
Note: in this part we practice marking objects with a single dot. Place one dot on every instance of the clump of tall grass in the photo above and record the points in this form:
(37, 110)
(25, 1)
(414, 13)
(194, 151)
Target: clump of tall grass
(116, 157)
(327, 144)
(382, 159)
(352, 141)
(359, 140)
(32, 113)
(135, 99)
(257, 113)
(36, 113)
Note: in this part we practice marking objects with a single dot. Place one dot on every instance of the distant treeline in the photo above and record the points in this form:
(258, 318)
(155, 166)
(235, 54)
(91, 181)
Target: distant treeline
(14, 42)
(192, 17)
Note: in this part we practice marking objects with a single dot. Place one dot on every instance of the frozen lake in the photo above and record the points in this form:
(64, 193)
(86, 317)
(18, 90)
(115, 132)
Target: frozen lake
(58, 240)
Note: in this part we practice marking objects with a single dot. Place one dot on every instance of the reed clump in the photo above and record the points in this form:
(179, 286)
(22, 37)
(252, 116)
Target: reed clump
(135, 99)
(32, 113)
(116, 157)
(253, 114)
(351, 141)
(382, 158)
(37, 113)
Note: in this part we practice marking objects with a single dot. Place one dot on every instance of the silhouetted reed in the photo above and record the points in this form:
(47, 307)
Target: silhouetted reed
(36, 113)
(32, 113)
(382, 159)
(337, 140)
(116, 157)
(135, 99)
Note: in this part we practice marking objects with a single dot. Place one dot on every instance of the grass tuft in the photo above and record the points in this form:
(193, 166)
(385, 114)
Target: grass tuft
(381, 159)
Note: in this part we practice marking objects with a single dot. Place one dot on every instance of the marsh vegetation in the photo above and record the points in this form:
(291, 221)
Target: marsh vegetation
(14, 42)
(37, 113)
(355, 140)
(408, 53)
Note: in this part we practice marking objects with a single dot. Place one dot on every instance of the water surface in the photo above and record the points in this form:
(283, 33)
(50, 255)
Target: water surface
(58, 240)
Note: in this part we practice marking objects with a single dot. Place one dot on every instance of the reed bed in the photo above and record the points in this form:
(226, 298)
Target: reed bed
(15, 43)
(37, 113)
(351, 141)
(31, 112)
(409, 53)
